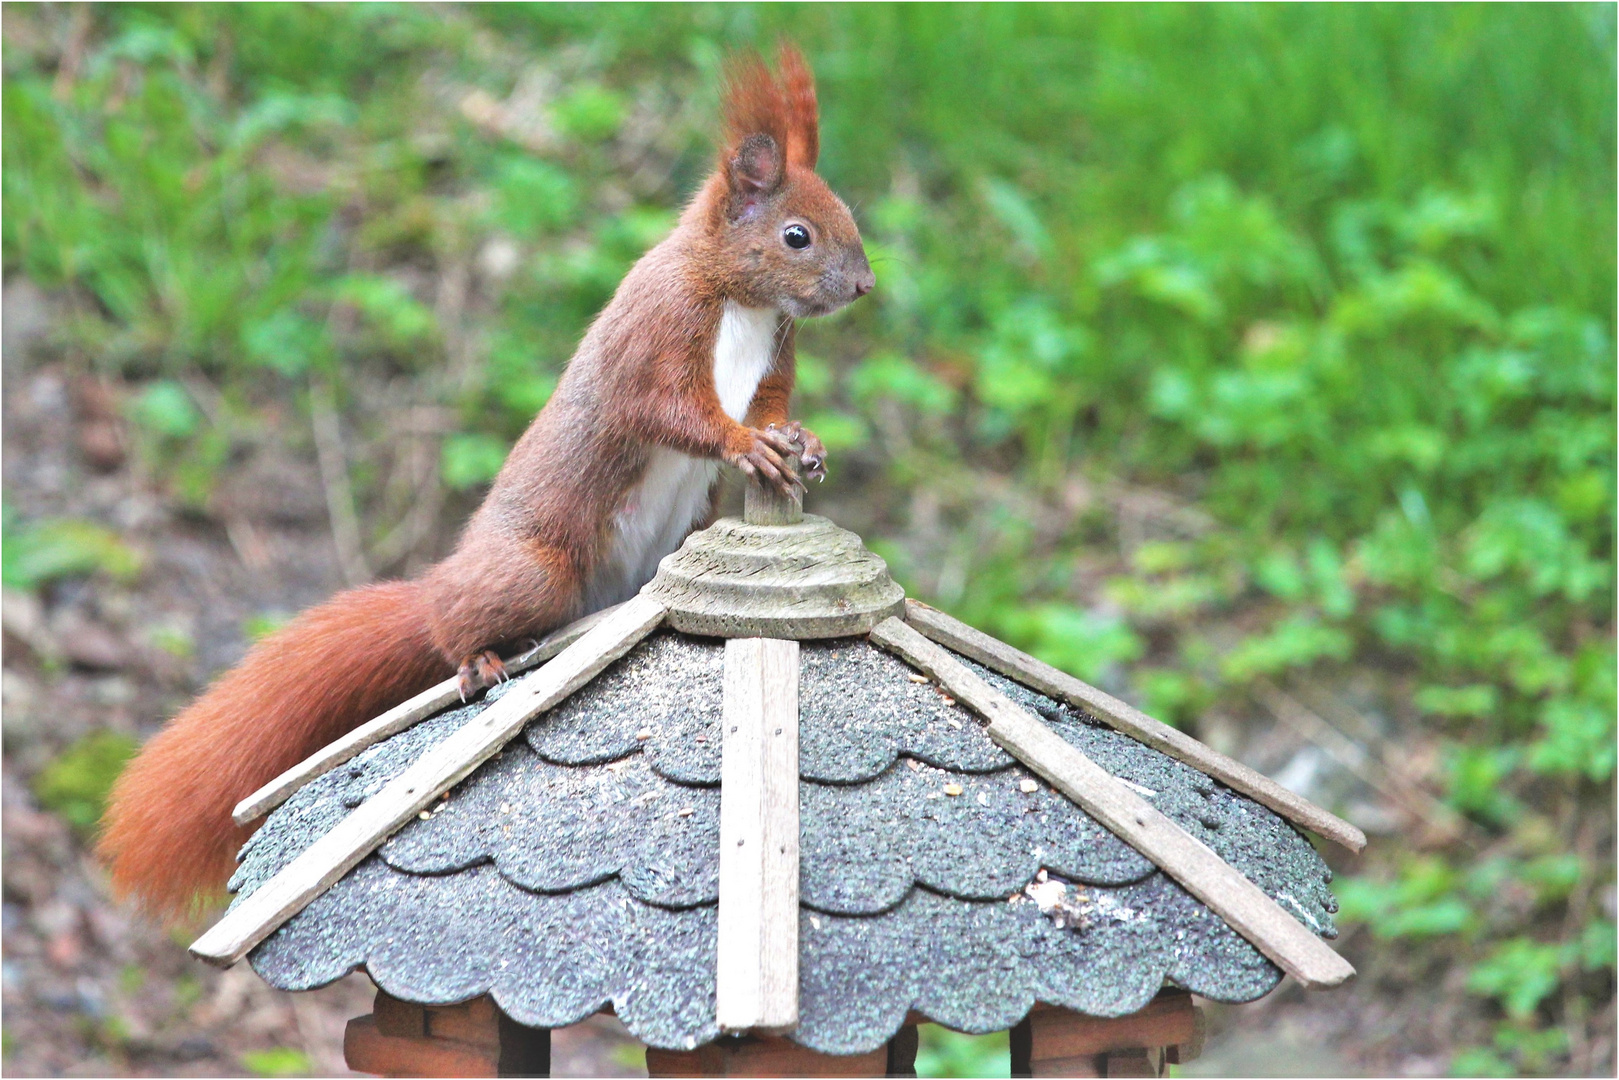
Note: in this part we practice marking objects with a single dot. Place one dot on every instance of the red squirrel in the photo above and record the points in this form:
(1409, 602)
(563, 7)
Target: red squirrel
(689, 365)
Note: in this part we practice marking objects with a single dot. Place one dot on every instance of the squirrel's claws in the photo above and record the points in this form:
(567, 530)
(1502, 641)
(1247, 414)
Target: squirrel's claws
(812, 452)
(480, 670)
(772, 445)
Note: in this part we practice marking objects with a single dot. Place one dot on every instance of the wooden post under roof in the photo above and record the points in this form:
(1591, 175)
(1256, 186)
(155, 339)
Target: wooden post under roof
(474, 1038)
(1053, 1041)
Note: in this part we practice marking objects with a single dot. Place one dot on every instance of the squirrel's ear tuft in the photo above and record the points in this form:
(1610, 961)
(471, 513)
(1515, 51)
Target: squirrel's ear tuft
(803, 114)
(753, 104)
(784, 109)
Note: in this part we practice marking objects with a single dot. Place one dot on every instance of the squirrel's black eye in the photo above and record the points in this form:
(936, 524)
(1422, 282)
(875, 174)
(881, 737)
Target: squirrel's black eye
(796, 236)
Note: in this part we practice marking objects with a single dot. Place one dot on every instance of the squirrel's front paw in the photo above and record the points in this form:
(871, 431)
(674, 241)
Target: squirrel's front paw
(478, 671)
(811, 451)
(764, 457)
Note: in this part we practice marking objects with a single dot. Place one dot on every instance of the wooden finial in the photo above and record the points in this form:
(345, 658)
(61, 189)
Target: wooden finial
(764, 504)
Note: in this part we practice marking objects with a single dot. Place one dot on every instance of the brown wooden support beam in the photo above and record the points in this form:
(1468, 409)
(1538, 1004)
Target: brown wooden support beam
(762, 1055)
(1053, 1041)
(473, 1038)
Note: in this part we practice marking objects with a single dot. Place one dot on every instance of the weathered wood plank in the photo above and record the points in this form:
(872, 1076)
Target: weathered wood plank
(397, 719)
(1241, 903)
(357, 835)
(757, 972)
(1023, 668)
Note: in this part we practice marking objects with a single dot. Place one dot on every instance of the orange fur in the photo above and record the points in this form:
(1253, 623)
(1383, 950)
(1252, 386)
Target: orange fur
(785, 109)
(168, 832)
(803, 114)
(538, 551)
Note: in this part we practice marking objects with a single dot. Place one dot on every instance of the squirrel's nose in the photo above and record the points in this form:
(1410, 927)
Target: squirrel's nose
(864, 282)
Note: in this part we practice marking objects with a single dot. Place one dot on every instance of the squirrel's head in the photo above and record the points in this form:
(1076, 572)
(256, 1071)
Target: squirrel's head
(786, 241)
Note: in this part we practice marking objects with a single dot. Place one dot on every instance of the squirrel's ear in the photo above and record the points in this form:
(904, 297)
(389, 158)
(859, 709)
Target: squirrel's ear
(754, 172)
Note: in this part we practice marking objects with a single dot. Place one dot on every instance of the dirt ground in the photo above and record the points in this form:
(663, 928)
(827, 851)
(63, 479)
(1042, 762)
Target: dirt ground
(91, 988)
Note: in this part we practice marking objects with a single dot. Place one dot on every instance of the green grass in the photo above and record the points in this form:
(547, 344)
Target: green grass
(1340, 279)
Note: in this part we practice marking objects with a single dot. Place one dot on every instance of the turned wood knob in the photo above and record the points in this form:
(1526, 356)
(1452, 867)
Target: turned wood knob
(764, 504)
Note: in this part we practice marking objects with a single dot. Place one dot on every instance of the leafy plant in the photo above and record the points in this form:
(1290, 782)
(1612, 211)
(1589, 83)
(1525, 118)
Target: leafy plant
(37, 553)
(277, 1061)
(75, 783)
(942, 1052)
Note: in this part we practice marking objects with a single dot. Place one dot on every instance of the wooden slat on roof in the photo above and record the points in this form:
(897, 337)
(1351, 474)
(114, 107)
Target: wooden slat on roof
(756, 976)
(407, 713)
(1243, 905)
(356, 836)
(1023, 668)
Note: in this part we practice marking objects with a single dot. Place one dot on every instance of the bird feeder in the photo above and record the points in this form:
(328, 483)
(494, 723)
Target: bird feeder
(774, 815)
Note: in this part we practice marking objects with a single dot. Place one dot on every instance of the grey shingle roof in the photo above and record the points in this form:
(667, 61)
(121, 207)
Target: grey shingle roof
(580, 866)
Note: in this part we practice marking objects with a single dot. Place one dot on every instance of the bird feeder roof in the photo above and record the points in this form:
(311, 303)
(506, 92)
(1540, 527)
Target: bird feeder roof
(579, 867)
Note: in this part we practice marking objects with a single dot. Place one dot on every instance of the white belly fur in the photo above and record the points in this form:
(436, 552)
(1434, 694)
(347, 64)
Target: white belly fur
(673, 492)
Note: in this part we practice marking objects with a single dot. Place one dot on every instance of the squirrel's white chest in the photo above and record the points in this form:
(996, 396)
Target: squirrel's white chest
(673, 493)
(744, 349)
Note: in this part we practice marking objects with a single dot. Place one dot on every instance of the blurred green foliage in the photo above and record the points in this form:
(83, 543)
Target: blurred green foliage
(76, 782)
(36, 553)
(276, 1062)
(262, 625)
(942, 1052)
(1339, 279)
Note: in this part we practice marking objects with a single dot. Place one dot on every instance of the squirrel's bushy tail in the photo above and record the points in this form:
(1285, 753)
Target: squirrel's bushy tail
(168, 833)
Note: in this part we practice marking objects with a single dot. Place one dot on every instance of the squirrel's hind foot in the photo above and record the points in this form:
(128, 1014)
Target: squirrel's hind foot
(480, 670)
